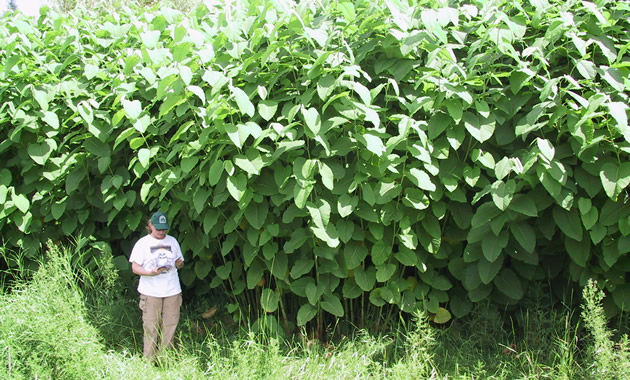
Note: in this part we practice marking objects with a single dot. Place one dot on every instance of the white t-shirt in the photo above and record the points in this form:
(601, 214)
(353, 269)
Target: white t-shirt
(151, 253)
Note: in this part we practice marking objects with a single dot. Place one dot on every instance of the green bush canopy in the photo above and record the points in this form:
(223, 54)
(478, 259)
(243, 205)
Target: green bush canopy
(330, 157)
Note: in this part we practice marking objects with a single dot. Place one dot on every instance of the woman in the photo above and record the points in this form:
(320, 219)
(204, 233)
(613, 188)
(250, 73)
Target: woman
(156, 258)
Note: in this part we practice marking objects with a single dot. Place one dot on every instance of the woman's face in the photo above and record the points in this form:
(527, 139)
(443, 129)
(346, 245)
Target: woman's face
(158, 234)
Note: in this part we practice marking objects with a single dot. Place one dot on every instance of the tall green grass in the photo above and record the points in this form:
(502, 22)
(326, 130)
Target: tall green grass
(611, 360)
(73, 319)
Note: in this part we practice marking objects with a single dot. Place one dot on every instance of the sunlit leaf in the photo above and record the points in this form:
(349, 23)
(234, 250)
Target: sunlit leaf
(242, 101)
(373, 143)
(237, 185)
(421, 179)
(267, 109)
(479, 127)
(144, 155)
(132, 108)
(615, 178)
(312, 119)
(42, 151)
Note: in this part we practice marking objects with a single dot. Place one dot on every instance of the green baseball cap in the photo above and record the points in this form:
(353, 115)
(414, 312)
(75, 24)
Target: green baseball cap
(159, 221)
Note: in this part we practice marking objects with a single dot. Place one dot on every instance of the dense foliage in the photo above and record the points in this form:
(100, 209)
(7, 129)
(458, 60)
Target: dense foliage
(330, 156)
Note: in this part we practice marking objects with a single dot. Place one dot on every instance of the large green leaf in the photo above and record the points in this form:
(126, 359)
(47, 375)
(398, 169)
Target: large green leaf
(312, 293)
(171, 101)
(320, 213)
(216, 170)
(508, 283)
(327, 176)
(57, 209)
(132, 108)
(365, 278)
(471, 175)
(329, 234)
(267, 109)
(237, 185)
(525, 235)
(618, 110)
(346, 204)
(406, 257)
(502, 193)
(200, 199)
(345, 229)
(269, 300)
(256, 214)
(254, 274)
(373, 143)
(481, 128)
(301, 267)
(441, 282)
(242, 101)
(312, 120)
(421, 179)
(524, 204)
(568, 222)
(42, 151)
(589, 217)
(615, 178)
(612, 212)
(51, 119)
(485, 214)
(621, 296)
(380, 252)
(144, 156)
(415, 198)
(188, 163)
(21, 202)
(350, 289)
(546, 149)
(460, 307)
(439, 122)
(252, 162)
(354, 254)
(301, 194)
(296, 240)
(493, 245)
(489, 270)
(210, 220)
(385, 272)
(299, 286)
(610, 252)
(203, 268)
(331, 304)
(306, 313)
(86, 111)
(279, 265)
(224, 271)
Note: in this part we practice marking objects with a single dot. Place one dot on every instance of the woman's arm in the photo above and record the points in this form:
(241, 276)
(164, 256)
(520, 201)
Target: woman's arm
(139, 270)
(179, 263)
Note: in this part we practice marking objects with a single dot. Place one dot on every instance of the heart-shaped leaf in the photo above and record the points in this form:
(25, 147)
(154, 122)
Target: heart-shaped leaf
(615, 178)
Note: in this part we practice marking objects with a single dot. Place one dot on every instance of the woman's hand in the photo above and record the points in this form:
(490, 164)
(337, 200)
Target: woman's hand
(139, 270)
(179, 263)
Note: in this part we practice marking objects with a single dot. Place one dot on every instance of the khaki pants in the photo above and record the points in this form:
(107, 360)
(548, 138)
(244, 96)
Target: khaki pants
(159, 319)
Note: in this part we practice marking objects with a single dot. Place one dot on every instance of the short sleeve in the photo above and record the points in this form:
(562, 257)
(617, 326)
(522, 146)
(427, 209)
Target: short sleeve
(137, 256)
